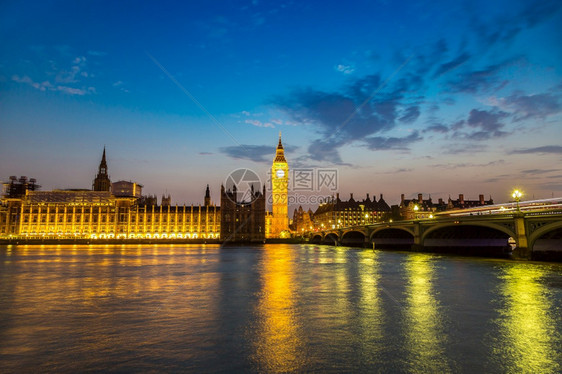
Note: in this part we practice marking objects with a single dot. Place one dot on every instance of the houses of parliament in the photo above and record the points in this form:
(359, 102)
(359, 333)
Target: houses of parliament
(119, 210)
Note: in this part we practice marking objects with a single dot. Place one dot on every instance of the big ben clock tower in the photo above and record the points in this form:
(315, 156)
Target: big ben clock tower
(279, 192)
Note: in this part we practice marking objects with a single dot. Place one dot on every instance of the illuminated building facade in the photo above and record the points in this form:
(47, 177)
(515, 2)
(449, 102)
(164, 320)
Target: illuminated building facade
(279, 194)
(115, 210)
(421, 208)
(337, 213)
(126, 189)
(100, 214)
(302, 221)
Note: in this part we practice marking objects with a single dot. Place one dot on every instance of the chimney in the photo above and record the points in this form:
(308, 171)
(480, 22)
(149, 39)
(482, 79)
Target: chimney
(461, 199)
(402, 198)
(481, 198)
(351, 196)
(367, 197)
(381, 197)
(420, 198)
(440, 201)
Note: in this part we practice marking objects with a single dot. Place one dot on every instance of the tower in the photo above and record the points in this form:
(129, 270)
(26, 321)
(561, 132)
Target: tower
(102, 182)
(279, 193)
(207, 197)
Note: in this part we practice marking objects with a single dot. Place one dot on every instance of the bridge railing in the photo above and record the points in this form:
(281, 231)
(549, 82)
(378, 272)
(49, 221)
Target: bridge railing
(455, 219)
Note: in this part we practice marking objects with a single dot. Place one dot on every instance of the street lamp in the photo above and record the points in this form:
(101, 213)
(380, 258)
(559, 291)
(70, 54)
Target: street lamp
(517, 196)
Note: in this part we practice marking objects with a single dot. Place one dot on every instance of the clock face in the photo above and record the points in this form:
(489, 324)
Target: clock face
(279, 173)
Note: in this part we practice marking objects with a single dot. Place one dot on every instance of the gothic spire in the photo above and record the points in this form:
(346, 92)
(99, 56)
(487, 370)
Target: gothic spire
(207, 200)
(280, 145)
(102, 181)
(280, 152)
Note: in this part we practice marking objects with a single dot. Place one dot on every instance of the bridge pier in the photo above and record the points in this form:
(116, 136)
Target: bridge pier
(522, 250)
(521, 253)
(417, 246)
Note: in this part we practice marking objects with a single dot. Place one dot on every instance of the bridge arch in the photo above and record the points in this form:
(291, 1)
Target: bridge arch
(494, 226)
(470, 238)
(546, 242)
(353, 238)
(316, 239)
(362, 230)
(331, 238)
(392, 238)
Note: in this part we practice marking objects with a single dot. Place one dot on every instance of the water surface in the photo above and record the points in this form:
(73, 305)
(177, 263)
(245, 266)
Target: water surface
(274, 308)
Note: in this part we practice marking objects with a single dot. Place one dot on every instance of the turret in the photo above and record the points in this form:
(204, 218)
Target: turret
(207, 196)
(102, 181)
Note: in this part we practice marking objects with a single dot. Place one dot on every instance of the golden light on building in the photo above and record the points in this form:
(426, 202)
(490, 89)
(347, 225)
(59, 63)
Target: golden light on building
(279, 194)
(101, 215)
(109, 211)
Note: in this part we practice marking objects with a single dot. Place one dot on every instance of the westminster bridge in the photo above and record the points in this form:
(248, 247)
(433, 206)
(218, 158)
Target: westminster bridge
(523, 233)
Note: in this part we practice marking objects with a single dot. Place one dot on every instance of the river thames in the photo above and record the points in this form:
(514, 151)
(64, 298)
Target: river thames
(274, 308)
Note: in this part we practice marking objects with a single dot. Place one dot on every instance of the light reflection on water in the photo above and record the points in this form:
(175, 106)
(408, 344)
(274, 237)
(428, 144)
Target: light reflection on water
(423, 324)
(273, 308)
(278, 344)
(528, 331)
(371, 315)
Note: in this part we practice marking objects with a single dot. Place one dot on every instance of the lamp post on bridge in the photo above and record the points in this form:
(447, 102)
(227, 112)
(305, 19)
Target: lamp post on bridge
(517, 196)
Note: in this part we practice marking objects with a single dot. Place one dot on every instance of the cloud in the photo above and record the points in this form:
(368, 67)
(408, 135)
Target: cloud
(537, 106)
(504, 29)
(272, 123)
(345, 69)
(474, 81)
(481, 125)
(438, 128)
(76, 69)
(410, 115)
(256, 153)
(398, 170)
(255, 122)
(369, 105)
(206, 153)
(485, 120)
(539, 171)
(380, 143)
(555, 149)
(552, 186)
(471, 148)
(325, 150)
(47, 86)
(368, 110)
(76, 91)
(66, 81)
(451, 65)
(467, 165)
(43, 86)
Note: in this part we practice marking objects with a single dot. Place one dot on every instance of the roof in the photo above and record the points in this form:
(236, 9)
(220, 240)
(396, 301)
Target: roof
(76, 197)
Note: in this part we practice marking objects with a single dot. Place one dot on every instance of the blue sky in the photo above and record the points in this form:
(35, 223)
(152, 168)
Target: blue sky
(432, 97)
